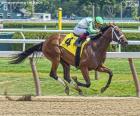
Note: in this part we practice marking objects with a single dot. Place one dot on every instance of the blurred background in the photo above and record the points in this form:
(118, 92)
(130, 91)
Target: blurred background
(72, 9)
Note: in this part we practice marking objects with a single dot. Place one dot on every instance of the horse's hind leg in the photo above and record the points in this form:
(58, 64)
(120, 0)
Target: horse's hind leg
(53, 74)
(105, 69)
(55, 63)
(66, 68)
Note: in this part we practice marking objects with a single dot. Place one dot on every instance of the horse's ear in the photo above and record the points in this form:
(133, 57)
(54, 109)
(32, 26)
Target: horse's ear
(110, 24)
(114, 24)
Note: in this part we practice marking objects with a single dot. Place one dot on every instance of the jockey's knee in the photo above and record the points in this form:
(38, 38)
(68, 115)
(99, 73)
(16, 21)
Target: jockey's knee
(84, 36)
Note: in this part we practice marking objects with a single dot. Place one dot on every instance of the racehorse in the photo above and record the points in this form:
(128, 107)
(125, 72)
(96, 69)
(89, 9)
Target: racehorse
(92, 58)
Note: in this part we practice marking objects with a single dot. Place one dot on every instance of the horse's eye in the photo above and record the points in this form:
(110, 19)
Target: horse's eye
(117, 32)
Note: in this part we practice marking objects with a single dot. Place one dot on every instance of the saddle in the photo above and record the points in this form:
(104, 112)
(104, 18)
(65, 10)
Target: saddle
(68, 43)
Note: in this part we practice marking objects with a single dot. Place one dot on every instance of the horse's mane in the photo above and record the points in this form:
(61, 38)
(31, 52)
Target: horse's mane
(106, 26)
(102, 30)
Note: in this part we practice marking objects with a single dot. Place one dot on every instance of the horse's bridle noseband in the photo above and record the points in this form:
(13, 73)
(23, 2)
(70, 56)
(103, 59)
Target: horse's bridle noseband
(114, 33)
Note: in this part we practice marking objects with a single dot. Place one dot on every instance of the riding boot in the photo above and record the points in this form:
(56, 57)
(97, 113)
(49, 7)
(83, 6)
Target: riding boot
(81, 39)
(78, 42)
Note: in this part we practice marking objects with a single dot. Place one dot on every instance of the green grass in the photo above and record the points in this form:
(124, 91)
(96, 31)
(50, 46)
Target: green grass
(118, 66)
(18, 80)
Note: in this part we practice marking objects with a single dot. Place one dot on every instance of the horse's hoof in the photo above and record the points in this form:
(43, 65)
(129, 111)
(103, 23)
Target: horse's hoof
(67, 90)
(103, 89)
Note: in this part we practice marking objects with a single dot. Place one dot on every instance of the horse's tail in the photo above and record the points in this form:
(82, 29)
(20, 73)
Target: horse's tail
(18, 58)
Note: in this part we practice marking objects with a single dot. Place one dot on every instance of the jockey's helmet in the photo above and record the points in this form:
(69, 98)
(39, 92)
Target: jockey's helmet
(99, 20)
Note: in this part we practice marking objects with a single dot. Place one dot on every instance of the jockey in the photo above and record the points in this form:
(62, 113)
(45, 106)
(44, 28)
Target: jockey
(87, 26)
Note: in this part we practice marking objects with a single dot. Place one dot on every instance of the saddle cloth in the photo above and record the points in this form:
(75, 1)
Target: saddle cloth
(69, 43)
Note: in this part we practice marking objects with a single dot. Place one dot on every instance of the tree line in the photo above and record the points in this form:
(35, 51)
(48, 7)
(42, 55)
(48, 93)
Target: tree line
(83, 8)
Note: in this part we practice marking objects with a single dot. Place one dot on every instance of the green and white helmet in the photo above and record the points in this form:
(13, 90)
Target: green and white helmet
(99, 20)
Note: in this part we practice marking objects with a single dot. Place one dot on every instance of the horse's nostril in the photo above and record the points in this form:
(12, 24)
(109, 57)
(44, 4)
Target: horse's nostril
(126, 42)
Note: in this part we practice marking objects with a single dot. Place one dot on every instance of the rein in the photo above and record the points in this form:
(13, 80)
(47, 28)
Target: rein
(114, 33)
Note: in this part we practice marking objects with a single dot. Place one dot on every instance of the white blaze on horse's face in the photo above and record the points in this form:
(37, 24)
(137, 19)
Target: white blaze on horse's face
(118, 36)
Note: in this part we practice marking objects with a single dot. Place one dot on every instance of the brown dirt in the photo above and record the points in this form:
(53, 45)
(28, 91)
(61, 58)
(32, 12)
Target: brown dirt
(71, 106)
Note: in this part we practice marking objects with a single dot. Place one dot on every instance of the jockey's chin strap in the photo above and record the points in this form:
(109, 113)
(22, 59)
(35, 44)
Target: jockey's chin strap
(114, 33)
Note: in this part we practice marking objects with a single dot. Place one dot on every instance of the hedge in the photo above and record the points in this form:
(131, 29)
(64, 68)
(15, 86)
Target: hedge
(38, 35)
(38, 25)
(55, 25)
(128, 25)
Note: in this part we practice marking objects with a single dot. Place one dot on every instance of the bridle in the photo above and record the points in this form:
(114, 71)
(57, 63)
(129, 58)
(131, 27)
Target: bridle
(115, 37)
(118, 38)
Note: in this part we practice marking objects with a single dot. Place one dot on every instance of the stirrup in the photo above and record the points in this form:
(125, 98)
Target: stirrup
(78, 43)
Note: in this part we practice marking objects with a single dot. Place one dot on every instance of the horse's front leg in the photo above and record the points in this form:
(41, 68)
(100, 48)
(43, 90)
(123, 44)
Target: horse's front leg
(105, 69)
(85, 73)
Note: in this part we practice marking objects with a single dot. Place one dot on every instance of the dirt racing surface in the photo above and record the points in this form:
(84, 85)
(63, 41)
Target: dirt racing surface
(71, 106)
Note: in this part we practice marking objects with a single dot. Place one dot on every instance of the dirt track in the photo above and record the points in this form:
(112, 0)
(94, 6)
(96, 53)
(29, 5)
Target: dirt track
(82, 106)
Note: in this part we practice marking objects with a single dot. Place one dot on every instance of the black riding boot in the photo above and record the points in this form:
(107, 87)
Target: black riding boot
(78, 42)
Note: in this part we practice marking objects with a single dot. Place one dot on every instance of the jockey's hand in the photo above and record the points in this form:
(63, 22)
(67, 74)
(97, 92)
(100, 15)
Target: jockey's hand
(99, 33)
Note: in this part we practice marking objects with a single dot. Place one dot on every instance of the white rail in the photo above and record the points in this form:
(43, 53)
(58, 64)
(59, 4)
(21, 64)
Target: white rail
(63, 21)
(109, 54)
(123, 54)
(21, 40)
(54, 31)
(41, 40)
(35, 30)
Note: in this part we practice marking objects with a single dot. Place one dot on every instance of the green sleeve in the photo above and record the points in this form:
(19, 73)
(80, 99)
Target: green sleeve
(90, 29)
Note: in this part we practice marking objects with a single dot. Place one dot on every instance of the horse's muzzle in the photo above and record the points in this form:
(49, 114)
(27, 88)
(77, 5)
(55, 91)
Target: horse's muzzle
(124, 43)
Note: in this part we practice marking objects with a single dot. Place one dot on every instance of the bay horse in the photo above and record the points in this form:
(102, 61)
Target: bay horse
(92, 58)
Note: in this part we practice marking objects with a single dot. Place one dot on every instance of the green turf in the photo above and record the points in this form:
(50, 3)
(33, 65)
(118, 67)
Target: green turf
(18, 80)
(118, 66)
